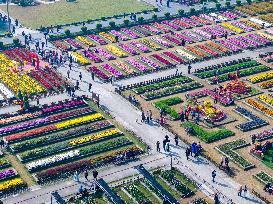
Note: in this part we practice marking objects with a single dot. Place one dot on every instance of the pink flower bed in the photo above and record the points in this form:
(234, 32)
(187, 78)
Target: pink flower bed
(73, 43)
(137, 65)
(97, 39)
(183, 37)
(120, 36)
(93, 57)
(151, 29)
(162, 60)
(139, 46)
(149, 62)
(161, 27)
(172, 39)
(130, 33)
(112, 70)
(100, 74)
(104, 53)
(181, 23)
(174, 57)
(172, 25)
(128, 49)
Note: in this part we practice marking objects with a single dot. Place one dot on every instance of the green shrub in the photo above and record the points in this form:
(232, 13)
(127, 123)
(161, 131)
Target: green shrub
(228, 3)
(154, 17)
(249, 1)
(1, 44)
(126, 22)
(167, 15)
(112, 24)
(16, 41)
(192, 11)
(84, 29)
(218, 6)
(181, 12)
(140, 20)
(165, 104)
(67, 32)
(238, 2)
(99, 26)
(208, 136)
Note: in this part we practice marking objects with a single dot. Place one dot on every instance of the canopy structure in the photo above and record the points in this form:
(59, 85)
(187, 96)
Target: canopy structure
(113, 196)
(165, 194)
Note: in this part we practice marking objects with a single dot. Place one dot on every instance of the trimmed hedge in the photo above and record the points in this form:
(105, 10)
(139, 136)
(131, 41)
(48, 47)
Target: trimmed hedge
(208, 136)
(165, 104)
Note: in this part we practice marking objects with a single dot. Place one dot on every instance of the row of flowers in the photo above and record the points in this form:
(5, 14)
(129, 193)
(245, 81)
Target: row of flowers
(254, 121)
(261, 77)
(7, 174)
(11, 186)
(116, 51)
(260, 107)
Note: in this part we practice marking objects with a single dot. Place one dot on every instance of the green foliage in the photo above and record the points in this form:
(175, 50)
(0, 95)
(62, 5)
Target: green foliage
(126, 22)
(228, 3)
(140, 20)
(165, 105)
(249, 1)
(84, 29)
(67, 32)
(208, 136)
(167, 15)
(16, 41)
(154, 17)
(1, 44)
(112, 24)
(99, 26)
(238, 2)
(192, 11)
(218, 6)
(181, 12)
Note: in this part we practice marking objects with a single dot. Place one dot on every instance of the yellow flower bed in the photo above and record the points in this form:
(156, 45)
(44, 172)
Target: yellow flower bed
(267, 84)
(81, 59)
(261, 77)
(89, 138)
(267, 36)
(85, 41)
(107, 36)
(251, 24)
(266, 99)
(116, 50)
(260, 107)
(233, 28)
(16, 81)
(78, 120)
(151, 44)
(11, 184)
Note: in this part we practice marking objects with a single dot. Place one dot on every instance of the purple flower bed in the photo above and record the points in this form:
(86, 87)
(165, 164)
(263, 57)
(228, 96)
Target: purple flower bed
(242, 26)
(162, 42)
(202, 33)
(214, 32)
(229, 45)
(7, 173)
(141, 31)
(172, 25)
(73, 43)
(172, 39)
(139, 46)
(112, 70)
(137, 65)
(239, 43)
(93, 57)
(259, 39)
(193, 35)
(190, 21)
(247, 40)
(266, 134)
(182, 37)
(128, 49)
(99, 73)
(149, 62)
(121, 36)
(104, 54)
(58, 107)
(151, 29)
(97, 39)
(130, 33)
(223, 30)
(229, 15)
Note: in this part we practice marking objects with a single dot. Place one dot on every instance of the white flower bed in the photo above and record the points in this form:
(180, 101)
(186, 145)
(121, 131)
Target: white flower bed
(5, 91)
(260, 22)
(185, 54)
(51, 160)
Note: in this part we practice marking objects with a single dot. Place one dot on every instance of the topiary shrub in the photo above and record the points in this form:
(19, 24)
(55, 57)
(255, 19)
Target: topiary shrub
(84, 29)
(167, 15)
(126, 22)
(67, 32)
(112, 24)
(181, 12)
(99, 26)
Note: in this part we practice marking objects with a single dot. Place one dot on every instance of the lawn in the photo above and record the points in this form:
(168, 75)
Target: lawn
(63, 12)
(268, 158)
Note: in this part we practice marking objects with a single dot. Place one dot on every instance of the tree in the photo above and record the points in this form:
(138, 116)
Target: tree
(126, 22)
(167, 15)
(228, 3)
(67, 32)
(238, 2)
(192, 10)
(218, 6)
(181, 12)
(140, 20)
(112, 24)
(99, 26)
(16, 41)
(249, 1)
(154, 17)
(84, 29)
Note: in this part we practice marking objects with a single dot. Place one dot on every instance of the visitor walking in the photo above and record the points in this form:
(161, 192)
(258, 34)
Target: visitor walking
(213, 175)
(216, 199)
(95, 174)
(245, 190)
(158, 146)
(68, 74)
(189, 69)
(77, 85)
(89, 87)
(240, 191)
(176, 140)
(86, 174)
(143, 117)
(80, 76)
(76, 176)
(93, 76)
(188, 152)
(168, 147)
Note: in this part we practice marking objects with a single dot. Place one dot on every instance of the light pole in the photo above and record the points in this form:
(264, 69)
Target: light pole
(8, 15)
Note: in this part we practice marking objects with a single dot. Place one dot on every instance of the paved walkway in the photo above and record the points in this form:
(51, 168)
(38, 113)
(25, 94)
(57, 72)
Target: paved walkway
(126, 114)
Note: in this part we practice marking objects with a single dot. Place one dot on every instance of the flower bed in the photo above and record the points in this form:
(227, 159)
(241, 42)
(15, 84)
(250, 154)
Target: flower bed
(171, 90)
(85, 41)
(112, 70)
(253, 123)
(68, 170)
(128, 49)
(7, 174)
(174, 57)
(46, 138)
(12, 186)
(4, 163)
(137, 194)
(139, 46)
(243, 73)
(130, 33)
(208, 136)
(228, 149)
(123, 66)
(93, 57)
(104, 54)
(67, 145)
(264, 135)
(137, 65)
(264, 178)
(100, 74)
(97, 39)
(255, 104)
(162, 60)
(165, 105)
(116, 51)
(151, 44)
(162, 42)
(120, 35)
(261, 77)
(149, 62)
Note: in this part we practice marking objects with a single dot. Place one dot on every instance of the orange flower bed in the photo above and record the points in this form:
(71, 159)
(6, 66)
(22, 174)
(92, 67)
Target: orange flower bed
(260, 107)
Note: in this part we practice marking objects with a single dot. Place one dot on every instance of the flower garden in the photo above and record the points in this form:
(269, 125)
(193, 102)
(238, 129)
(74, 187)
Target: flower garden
(62, 137)
(151, 47)
(19, 74)
(179, 185)
(238, 96)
